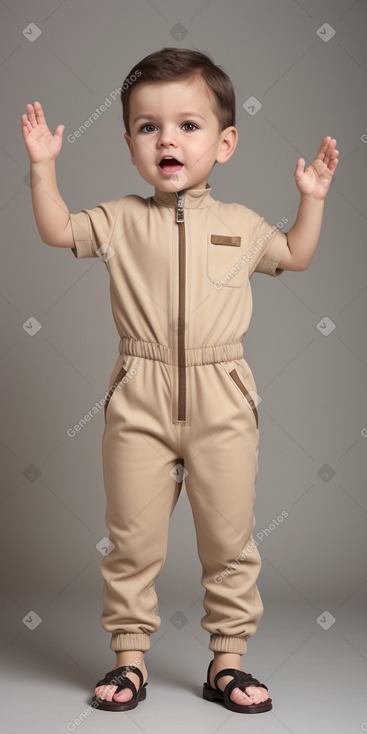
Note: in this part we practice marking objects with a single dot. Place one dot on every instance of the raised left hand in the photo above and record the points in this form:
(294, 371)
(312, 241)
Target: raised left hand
(317, 177)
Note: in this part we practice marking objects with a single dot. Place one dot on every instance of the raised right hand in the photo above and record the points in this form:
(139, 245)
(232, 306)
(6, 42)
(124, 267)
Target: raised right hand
(41, 144)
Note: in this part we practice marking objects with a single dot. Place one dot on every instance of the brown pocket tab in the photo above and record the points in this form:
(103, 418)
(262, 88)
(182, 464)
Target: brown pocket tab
(221, 239)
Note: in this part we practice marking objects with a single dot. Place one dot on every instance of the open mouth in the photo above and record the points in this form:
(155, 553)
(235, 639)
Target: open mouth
(170, 164)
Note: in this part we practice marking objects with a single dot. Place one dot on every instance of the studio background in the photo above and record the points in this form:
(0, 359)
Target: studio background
(305, 62)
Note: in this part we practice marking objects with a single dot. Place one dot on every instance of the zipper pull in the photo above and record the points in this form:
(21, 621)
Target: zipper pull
(180, 204)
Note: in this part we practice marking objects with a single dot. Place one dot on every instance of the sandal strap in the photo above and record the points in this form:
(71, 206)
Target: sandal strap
(239, 676)
(117, 675)
(242, 681)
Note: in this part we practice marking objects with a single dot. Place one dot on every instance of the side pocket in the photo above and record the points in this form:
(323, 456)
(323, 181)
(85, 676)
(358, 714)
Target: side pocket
(112, 389)
(236, 378)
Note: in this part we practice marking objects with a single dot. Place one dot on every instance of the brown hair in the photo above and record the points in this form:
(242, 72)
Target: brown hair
(170, 64)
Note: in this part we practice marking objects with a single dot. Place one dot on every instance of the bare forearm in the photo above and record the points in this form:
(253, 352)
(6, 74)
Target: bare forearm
(50, 211)
(304, 234)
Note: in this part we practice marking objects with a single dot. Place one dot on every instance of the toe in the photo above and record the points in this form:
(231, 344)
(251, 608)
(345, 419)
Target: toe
(253, 695)
(124, 695)
(264, 694)
(110, 690)
(99, 691)
(240, 697)
(105, 693)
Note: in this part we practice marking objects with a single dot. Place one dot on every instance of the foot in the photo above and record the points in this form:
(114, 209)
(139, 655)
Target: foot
(128, 657)
(254, 694)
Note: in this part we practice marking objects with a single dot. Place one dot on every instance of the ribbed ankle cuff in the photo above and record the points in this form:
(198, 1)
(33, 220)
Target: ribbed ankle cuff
(221, 643)
(126, 641)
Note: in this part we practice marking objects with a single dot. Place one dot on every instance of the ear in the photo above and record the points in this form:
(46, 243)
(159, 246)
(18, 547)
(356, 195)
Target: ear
(227, 145)
(130, 146)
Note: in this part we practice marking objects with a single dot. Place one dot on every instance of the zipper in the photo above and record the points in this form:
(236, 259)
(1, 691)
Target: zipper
(181, 307)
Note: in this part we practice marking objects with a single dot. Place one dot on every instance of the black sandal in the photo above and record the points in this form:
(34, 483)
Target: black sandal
(240, 680)
(118, 678)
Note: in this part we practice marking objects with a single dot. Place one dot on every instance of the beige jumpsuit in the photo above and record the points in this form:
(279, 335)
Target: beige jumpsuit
(181, 402)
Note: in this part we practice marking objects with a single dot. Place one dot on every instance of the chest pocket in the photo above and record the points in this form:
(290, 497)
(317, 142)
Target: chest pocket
(226, 267)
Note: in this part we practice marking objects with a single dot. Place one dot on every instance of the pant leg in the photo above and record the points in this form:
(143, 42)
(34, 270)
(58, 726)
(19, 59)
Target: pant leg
(141, 495)
(221, 458)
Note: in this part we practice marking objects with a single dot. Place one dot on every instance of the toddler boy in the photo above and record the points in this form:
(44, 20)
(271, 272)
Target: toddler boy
(182, 399)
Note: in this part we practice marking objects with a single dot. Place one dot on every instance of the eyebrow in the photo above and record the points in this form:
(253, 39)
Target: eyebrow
(181, 114)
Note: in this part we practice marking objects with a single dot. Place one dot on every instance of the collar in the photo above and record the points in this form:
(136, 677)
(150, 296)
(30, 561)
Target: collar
(193, 198)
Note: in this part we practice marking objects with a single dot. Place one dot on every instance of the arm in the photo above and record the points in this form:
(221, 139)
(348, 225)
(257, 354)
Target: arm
(51, 213)
(313, 184)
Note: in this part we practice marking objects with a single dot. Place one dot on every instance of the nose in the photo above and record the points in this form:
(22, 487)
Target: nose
(167, 137)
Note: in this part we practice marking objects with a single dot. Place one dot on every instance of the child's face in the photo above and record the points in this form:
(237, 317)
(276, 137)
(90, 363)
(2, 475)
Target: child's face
(176, 119)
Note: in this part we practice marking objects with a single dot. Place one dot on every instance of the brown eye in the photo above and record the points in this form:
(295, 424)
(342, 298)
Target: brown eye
(195, 127)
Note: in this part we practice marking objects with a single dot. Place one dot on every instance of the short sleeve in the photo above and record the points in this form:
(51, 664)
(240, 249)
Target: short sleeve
(266, 245)
(93, 229)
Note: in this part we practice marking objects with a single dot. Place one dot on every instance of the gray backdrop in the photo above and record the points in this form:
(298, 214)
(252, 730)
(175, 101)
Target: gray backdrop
(306, 64)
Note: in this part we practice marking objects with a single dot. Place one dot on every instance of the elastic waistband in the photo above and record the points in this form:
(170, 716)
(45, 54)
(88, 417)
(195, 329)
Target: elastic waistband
(197, 355)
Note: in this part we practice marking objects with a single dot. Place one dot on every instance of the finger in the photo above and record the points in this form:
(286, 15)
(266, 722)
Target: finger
(323, 147)
(333, 165)
(300, 167)
(26, 126)
(331, 145)
(31, 115)
(59, 131)
(26, 123)
(326, 149)
(329, 151)
(39, 113)
(334, 159)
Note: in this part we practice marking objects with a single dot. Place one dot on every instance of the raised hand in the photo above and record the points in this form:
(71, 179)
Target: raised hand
(41, 144)
(317, 177)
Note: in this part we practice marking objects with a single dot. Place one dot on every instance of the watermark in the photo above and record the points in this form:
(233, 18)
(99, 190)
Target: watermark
(98, 111)
(32, 620)
(117, 680)
(218, 578)
(326, 620)
(249, 254)
(178, 31)
(325, 326)
(252, 105)
(325, 32)
(99, 405)
(326, 472)
(178, 179)
(32, 32)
